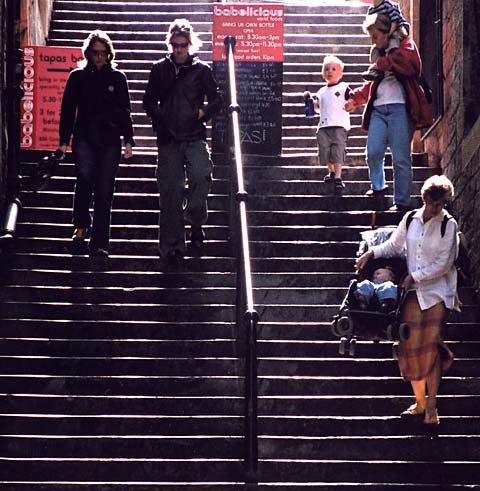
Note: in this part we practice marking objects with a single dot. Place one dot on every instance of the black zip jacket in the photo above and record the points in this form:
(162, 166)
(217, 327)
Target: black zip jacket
(96, 106)
(175, 94)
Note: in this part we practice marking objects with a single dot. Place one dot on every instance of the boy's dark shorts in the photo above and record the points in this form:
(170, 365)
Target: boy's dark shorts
(332, 144)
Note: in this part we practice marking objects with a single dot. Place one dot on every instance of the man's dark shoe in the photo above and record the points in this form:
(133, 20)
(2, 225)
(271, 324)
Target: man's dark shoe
(99, 254)
(174, 257)
(197, 236)
(399, 208)
(373, 193)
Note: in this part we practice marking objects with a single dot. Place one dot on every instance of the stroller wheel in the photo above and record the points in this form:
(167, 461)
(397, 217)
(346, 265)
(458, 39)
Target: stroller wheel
(395, 351)
(334, 330)
(403, 331)
(344, 326)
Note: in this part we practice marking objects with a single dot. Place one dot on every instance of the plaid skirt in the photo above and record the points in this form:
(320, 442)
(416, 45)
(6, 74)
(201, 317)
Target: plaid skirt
(418, 354)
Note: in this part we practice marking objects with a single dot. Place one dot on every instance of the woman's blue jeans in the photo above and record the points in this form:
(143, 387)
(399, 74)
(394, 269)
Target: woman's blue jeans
(391, 126)
(95, 168)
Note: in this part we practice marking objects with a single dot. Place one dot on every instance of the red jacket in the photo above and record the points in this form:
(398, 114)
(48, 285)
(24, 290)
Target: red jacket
(406, 64)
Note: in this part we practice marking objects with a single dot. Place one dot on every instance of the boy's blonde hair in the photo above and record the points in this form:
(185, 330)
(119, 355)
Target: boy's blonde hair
(332, 59)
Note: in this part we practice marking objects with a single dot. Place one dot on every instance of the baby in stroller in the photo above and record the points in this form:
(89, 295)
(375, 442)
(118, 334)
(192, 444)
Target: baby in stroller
(381, 289)
(371, 307)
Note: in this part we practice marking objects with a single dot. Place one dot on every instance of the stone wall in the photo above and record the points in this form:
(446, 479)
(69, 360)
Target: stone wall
(35, 21)
(454, 143)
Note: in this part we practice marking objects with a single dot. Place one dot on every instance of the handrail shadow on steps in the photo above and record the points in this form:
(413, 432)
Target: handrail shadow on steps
(246, 315)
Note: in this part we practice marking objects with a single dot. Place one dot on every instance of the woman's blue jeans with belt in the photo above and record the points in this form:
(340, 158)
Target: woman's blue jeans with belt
(391, 126)
(95, 168)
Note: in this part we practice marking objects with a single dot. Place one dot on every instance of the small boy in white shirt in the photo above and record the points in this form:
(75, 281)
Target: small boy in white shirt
(334, 122)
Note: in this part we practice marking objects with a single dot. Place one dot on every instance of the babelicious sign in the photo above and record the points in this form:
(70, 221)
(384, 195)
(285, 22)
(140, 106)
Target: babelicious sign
(45, 72)
(258, 32)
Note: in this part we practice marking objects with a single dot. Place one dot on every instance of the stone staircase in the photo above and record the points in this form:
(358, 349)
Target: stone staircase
(132, 378)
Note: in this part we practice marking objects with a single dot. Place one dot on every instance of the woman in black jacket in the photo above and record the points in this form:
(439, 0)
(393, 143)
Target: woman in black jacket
(96, 111)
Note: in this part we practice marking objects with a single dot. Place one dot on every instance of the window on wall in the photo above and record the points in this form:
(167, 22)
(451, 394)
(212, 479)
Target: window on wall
(471, 62)
(431, 51)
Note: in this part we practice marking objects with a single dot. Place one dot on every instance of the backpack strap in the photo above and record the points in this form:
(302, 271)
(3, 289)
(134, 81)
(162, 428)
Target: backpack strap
(443, 225)
(410, 218)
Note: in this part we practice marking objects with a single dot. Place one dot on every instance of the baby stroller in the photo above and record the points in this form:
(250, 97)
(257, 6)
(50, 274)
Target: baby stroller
(373, 322)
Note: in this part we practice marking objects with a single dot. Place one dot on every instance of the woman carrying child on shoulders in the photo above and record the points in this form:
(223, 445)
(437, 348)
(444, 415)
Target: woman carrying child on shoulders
(431, 284)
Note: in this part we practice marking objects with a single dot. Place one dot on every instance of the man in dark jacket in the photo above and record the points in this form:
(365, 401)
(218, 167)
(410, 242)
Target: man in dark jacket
(181, 96)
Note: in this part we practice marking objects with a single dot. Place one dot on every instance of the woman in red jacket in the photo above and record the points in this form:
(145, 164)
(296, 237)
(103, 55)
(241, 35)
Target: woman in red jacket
(396, 106)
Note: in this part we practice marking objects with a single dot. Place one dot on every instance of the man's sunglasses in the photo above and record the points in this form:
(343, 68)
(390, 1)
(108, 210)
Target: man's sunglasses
(179, 45)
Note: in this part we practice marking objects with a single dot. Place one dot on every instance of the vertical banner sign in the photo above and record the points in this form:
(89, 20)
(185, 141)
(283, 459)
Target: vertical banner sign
(258, 31)
(45, 72)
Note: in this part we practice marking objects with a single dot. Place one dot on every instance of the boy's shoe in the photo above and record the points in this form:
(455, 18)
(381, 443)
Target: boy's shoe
(338, 183)
(372, 75)
(329, 177)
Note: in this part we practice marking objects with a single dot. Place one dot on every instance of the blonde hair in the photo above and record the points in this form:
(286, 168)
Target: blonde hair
(381, 22)
(182, 27)
(391, 274)
(437, 188)
(97, 36)
(332, 59)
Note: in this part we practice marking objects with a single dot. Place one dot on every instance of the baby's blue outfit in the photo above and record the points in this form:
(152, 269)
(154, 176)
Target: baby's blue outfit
(383, 289)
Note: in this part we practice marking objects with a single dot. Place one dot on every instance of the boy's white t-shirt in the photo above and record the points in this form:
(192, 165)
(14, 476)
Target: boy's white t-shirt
(331, 100)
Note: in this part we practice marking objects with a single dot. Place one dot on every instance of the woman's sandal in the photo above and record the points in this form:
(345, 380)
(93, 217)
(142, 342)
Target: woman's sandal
(413, 410)
(431, 417)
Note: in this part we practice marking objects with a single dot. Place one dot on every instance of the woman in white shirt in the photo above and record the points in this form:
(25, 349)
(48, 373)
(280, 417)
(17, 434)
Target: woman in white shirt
(432, 291)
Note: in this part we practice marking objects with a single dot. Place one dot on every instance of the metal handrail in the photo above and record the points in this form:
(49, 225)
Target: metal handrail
(247, 316)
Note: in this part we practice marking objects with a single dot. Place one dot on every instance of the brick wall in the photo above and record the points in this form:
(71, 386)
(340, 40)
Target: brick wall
(452, 145)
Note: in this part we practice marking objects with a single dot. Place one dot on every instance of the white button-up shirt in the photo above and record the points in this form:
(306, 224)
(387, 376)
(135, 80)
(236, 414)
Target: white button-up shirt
(430, 257)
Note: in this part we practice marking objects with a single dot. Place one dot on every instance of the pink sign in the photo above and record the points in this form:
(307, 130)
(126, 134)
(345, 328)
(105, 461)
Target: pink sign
(257, 28)
(45, 73)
